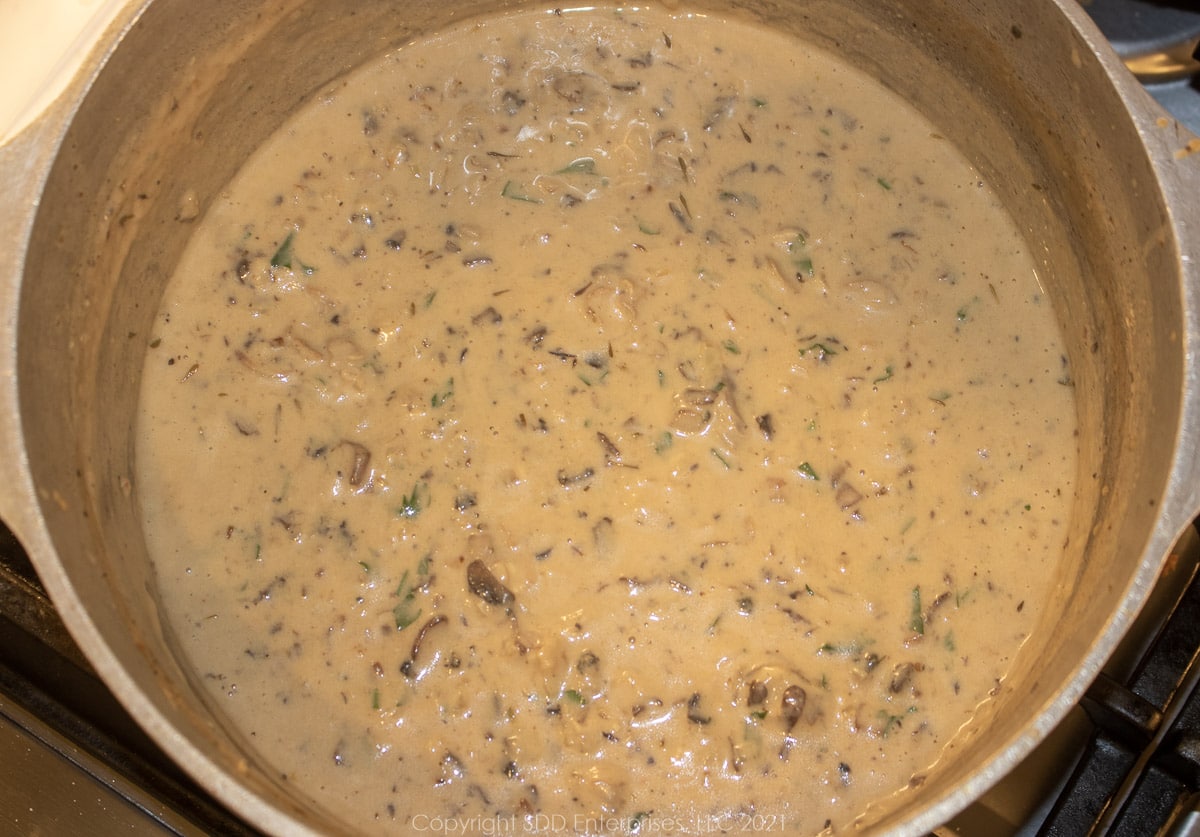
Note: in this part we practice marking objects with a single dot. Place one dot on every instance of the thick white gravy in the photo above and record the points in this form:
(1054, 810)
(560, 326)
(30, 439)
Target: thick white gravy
(604, 421)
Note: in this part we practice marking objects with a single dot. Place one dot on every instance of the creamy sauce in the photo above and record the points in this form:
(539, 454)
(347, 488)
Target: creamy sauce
(602, 421)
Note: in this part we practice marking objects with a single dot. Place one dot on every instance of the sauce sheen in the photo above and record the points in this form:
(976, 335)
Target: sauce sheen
(605, 419)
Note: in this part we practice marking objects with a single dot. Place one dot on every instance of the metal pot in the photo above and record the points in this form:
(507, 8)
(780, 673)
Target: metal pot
(102, 190)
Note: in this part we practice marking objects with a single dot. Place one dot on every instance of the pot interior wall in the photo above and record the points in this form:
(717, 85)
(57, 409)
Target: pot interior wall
(193, 88)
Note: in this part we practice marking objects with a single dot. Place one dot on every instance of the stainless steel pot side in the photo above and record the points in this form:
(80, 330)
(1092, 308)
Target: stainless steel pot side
(98, 199)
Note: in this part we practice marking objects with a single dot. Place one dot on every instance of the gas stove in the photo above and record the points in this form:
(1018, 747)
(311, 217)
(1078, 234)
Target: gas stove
(1126, 760)
(1157, 40)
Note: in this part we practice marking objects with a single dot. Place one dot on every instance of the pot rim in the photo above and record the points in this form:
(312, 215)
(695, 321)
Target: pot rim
(27, 158)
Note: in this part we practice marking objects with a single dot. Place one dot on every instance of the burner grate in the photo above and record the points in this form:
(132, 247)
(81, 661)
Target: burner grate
(1140, 767)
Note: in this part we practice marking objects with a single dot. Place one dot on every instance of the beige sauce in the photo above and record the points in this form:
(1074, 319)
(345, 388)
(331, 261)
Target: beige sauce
(602, 422)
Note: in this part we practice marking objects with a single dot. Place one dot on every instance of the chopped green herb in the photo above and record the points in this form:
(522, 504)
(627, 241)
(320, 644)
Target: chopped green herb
(283, 256)
(889, 721)
(916, 620)
(412, 504)
(286, 258)
(720, 458)
(513, 192)
(646, 229)
(374, 698)
(429, 298)
(886, 376)
(440, 398)
(664, 442)
(575, 697)
(840, 649)
(941, 396)
(948, 642)
(885, 184)
(731, 347)
(820, 350)
(759, 714)
(405, 612)
(796, 248)
(807, 472)
(757, 102)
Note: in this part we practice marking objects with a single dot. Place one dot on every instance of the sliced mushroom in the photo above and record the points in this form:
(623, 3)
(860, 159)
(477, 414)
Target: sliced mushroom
(792, 704)
(486, 586)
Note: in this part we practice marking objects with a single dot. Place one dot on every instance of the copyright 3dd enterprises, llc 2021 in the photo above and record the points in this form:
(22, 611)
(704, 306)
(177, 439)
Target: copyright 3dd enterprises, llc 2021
(553, 825)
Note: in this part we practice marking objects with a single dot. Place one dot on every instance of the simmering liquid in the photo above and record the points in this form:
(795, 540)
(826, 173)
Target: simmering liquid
(605, 421)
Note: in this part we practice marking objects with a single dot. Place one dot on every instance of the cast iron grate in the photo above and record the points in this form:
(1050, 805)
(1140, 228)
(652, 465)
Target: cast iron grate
(1139, 771)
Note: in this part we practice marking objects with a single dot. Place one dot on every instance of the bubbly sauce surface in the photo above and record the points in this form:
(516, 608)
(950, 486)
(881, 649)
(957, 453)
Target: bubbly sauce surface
(604, 421)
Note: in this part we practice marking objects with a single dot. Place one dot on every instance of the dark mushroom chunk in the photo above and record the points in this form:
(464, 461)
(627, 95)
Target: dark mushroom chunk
(360, 467)
(486, 586)
(407, 666)
(512, 101)
(612, 454)
(693, 711)
(902, 676)
(758, 693)
(792, 704)
(536, 335)
(766, 425)
(488, 316)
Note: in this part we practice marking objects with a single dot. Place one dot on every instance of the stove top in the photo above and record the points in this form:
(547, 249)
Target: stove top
(1126, 761)
(1158, 41)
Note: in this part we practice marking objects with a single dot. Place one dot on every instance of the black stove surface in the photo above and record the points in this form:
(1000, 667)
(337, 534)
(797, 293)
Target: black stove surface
(1158, 42)
(62, 716)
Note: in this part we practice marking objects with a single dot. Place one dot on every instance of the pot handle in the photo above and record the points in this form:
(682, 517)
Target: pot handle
(27, 155)
(25, 162)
